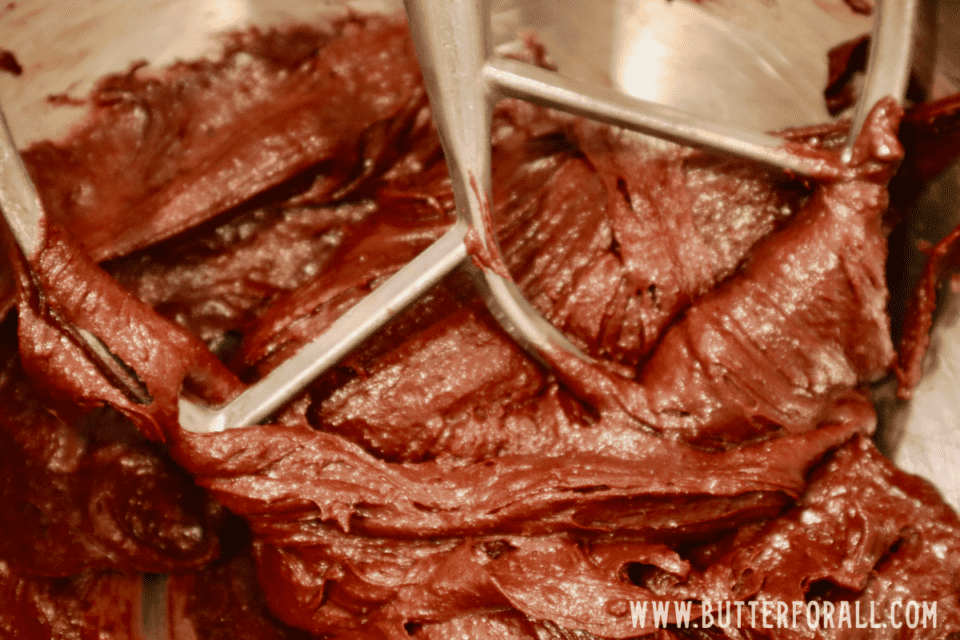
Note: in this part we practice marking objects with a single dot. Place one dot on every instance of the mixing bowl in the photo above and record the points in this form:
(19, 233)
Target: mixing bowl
(756, 63)
(760, 64)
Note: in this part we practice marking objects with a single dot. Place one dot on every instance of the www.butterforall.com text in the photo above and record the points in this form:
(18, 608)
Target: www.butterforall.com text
(775, 614)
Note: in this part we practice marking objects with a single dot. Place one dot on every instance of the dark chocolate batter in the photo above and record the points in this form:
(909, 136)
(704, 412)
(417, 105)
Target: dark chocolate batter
(440, 483)
(89, 605)
(91, 494)
(9, 63)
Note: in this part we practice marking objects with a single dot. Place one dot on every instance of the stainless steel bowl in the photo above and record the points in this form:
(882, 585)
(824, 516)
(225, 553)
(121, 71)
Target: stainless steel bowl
(758, 64)
(755, 63)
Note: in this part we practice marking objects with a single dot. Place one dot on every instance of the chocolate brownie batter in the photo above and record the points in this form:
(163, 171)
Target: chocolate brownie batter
(91, 494)
(9, 63)
(440, 483)
(92, 604)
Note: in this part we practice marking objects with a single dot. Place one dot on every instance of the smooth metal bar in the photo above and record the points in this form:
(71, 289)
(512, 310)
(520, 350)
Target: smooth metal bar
(452, 41)
(19, 201)
(525, 81)
(888, 66)
(345, 334)
(462, 81)
(155, 624)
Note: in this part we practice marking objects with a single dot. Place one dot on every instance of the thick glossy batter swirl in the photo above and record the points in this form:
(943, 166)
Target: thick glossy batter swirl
(440, 483)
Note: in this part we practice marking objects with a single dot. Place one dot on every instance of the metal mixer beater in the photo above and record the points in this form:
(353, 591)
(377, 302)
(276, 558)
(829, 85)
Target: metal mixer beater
(464, 80)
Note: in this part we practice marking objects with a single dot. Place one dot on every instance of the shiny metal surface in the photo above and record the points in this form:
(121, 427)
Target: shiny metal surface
(463, 81)
(755, 64)
(923, 435)
(19, 201)
(453, 46)
(362, 320)
(516, 79)
(891, 41)
(927, 438)
(154, 602)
